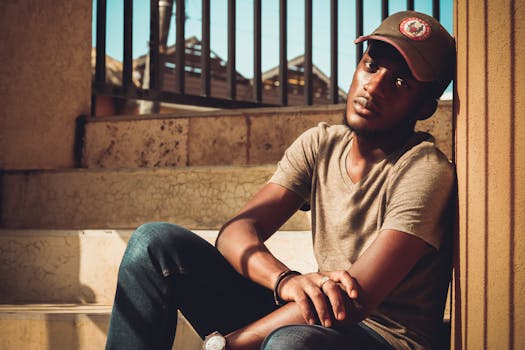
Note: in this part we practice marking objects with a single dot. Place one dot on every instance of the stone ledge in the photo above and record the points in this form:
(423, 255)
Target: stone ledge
(80, 266)
(69, 326)
(194, 197)
(320, 109)
(224, 137)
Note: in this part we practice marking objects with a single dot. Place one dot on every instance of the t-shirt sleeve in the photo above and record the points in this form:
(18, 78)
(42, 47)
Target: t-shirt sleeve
(296, 167)
(418, 195)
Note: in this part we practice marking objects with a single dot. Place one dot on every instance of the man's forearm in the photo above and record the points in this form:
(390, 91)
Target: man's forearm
(246, 252)
(241, 240)
(252, 336)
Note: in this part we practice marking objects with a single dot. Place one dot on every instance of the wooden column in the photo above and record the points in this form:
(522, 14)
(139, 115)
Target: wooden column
(489, 300)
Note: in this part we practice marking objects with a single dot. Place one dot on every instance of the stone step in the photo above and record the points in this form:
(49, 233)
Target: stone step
(223, 137)
(69, 326)
(195, 197)
(80, 266)
(84, 327)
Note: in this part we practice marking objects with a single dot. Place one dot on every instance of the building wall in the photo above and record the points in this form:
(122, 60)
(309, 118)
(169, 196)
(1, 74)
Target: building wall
(490, 148)
(45, 80)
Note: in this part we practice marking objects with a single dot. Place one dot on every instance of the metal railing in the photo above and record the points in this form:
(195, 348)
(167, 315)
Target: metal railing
(155, 92)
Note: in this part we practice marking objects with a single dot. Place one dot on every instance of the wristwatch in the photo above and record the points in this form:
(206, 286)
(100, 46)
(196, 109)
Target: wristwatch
(214, 341)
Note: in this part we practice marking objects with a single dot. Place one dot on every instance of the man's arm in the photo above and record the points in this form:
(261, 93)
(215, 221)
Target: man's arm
(381, 267)
(384, 265)
(371, 278)
(241, 242)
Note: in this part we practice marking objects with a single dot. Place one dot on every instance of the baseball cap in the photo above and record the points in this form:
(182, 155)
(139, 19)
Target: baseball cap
(428, 49)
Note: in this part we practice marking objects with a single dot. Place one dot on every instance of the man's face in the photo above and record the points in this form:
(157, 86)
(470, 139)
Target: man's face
(383, 96)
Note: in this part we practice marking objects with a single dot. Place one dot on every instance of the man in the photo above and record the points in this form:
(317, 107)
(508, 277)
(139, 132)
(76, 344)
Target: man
(380, 196)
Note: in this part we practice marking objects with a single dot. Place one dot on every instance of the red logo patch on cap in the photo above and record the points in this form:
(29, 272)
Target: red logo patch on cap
(415, 28)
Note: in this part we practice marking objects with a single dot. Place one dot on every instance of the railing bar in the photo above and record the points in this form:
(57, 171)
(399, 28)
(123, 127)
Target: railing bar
(435, 9)
(155, 69)
(180, 18)
(359, 29)
(128, 44)
(257, 52)
(100, 63)
(154, 66)
(283, 60)
(384, 9)
(334, 89)
(205, 49)
(308, 81)
(231, 72)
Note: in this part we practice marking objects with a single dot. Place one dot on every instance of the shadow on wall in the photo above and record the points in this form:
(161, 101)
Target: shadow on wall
(65, 271)
(455, 338)
(40, 268)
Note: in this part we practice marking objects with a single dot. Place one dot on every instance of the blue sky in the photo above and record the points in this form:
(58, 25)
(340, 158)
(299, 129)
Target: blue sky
(270, 30)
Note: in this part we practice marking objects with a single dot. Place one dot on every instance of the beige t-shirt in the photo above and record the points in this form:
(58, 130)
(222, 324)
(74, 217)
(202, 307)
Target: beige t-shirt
(409, 191)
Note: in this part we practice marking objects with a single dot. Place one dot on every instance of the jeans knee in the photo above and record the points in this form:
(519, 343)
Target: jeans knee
(302, 337)
(158, 234)
(281, 338)
(149, 240)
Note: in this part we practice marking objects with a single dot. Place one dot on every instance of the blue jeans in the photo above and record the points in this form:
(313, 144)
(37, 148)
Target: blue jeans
(307, 337)
(167, 268)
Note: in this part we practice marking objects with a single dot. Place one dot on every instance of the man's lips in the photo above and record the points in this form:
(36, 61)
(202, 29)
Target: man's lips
(364, 105)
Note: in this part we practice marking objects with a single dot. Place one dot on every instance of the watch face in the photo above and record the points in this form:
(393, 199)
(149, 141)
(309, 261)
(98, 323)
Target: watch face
(215, 342)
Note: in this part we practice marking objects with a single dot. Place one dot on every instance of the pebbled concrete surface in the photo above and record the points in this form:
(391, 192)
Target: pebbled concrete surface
(69, 326)
(241, 137)
(195, 197)
(80, 267)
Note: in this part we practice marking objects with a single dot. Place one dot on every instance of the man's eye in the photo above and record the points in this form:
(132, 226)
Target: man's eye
(371, 66)
(401, 83)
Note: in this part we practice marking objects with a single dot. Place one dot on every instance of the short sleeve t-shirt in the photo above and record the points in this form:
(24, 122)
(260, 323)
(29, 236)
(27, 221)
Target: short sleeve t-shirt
(409, 191)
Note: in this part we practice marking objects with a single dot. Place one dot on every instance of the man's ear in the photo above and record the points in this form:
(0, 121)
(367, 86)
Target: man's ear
(427, 109)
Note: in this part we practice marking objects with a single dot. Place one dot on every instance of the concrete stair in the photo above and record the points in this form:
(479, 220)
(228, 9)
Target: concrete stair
(80, 267)
(53, 326)
(63, 232)
(195, 197)
(58, 279)
(228, 137)
(56, 295)
(68, 326)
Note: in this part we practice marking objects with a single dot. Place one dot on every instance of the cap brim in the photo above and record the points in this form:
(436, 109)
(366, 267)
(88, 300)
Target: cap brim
(413, 58)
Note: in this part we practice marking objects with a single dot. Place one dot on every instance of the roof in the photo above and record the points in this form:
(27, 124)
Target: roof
(193, 59)
(218, 74)
(297, 64)
(114, 69)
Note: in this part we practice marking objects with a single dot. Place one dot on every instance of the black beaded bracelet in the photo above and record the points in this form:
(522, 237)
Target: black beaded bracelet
(276, 297)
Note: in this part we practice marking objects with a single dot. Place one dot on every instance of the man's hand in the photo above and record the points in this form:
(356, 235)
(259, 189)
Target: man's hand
(320, 296)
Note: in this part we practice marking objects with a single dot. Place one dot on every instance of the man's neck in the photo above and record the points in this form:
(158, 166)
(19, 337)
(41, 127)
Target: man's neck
(367, 150)
(376, 148)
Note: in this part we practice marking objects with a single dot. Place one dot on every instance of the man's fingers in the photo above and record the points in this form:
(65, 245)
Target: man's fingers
(321, 297)
(323, 280)
(334, 294)
(318, 299)
(349, 283)
(306, 309)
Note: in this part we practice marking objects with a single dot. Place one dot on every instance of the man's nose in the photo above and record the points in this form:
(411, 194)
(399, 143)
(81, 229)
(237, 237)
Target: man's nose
(375, 86)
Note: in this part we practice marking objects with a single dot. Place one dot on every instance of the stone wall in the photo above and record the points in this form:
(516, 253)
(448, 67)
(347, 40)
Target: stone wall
(46, 81)
(242, 137)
